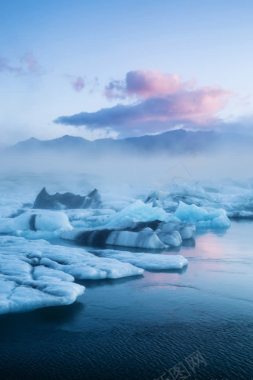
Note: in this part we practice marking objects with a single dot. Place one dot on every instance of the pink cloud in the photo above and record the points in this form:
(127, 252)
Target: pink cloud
(197, 106)
(78, 83)
(161, 101)
(193, 107)
(145, 84)
(28, 64)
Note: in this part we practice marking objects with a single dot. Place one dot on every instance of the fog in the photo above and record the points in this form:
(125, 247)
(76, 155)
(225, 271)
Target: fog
(128, 171)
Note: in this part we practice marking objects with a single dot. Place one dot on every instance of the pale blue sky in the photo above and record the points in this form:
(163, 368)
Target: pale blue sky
(208, 41)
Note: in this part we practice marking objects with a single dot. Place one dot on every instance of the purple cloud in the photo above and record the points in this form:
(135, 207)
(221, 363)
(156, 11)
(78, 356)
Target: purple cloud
(196, 106)
(78, 83)
(145, 84)
(28, 64)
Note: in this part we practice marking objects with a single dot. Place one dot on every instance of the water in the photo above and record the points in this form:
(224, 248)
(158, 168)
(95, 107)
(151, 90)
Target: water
(143, 327)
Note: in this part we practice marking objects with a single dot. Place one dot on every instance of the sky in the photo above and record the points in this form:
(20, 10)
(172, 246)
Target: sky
(123, 68)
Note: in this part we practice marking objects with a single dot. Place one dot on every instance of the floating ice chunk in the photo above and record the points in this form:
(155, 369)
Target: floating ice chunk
(173, 239)
(147, 261)
(41, 272)
(202, 217)
(174, 232)
(38, 294)
(35, 274)
(52, 221)
(146, 238)
(36, 221)
(137, 212)
(25, 287)
(89, 267)
(67, 200)
(187, 232)
(90, 218)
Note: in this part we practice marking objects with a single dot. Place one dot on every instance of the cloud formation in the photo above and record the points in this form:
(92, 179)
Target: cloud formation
(145, 84)
(27, 64)
(78, 83)
(161, 101)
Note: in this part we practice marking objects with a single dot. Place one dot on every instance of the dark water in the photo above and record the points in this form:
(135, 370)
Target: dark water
(194, 325)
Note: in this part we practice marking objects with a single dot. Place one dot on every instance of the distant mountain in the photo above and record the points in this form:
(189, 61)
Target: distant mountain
(173, 142)
(65, 142)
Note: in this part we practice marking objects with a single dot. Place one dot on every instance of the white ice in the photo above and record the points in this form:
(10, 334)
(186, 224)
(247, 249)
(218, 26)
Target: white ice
(27, 285)
(147, 261)
(146, 239)
(35, 274)
(45, 221)
(203, 217)
(137, 212)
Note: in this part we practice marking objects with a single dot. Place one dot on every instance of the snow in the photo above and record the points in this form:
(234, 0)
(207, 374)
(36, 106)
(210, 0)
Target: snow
(147, 261)
(202, 217)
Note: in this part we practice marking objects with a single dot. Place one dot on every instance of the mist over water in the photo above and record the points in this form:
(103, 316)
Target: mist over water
(132, 170)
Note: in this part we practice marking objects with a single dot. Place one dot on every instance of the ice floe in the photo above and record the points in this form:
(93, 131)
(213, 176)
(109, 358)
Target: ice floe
(35, 274)
(147, 261)
(25, 284)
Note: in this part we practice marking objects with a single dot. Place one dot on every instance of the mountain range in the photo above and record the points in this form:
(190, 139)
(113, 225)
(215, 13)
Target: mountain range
(173, 142)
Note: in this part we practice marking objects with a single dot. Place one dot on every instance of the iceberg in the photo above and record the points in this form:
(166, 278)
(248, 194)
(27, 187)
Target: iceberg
(89, 218)
(202, 217)
(147, 261)
(59, 201)
(35, 220)
(174, 232)
(135, 213)
(146, 238)
(173, 239)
